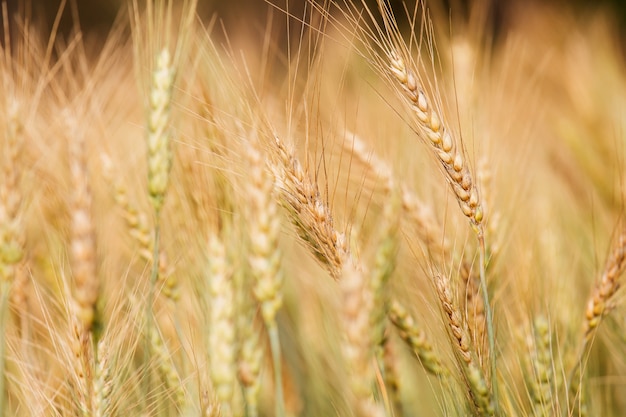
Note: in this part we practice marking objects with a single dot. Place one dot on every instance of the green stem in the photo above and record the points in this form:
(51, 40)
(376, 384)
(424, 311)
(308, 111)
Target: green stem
(278, 376)
(489, 319)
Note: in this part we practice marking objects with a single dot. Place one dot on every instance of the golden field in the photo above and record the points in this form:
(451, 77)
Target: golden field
(313, 209)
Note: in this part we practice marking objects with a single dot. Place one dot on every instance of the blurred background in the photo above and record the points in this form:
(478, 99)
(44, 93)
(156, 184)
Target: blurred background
(97, 16)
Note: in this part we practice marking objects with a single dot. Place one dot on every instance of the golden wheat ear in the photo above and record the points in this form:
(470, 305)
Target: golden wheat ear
(607, 286)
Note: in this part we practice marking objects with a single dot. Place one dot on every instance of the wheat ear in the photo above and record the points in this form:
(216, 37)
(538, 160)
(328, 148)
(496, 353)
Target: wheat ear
(103, 382)
(384, 266)
(11, 230)
(11, 240)
(140, 230)
(308, 211)
(474, 307)
(159, 146)
(449, 152)
(478, 389)
(541, 377)
(608, 285)
(250, 361)
(83, 266)
(598, 306)
(357, 346)
(416, 339)
(391, 375)
(221, 341)
(265, 257)
(83, 239)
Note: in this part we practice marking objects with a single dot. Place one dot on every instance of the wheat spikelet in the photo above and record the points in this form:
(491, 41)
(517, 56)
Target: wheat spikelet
(311, 215)
(416, 339)
(608, 285)
(464, 350)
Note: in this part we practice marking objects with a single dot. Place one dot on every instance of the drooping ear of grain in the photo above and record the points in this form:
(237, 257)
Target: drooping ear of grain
(308, 211)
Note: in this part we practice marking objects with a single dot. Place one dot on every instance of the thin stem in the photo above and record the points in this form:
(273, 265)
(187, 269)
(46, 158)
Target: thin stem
(4, 304)
(272, 331)
(489, 319)
(149, 313)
